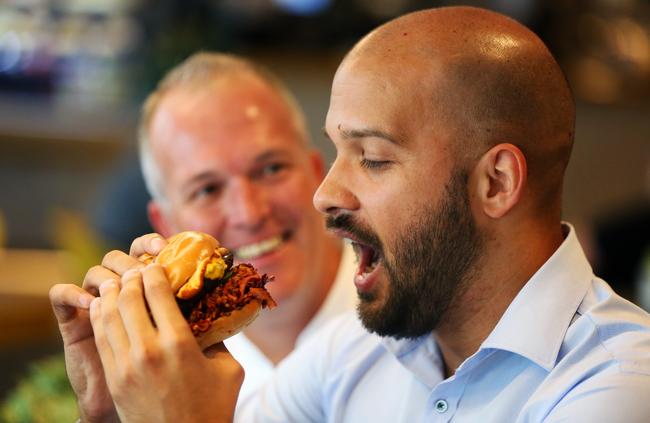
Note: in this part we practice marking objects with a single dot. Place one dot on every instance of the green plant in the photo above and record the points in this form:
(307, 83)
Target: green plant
(43, 395)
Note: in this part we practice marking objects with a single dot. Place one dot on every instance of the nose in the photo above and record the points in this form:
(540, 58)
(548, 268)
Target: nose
(334, 194)
(246, 205)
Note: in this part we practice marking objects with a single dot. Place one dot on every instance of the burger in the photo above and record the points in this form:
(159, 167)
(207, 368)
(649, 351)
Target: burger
(218, 299)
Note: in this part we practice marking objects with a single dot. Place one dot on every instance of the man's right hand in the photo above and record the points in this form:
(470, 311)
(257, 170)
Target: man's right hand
(71, 308)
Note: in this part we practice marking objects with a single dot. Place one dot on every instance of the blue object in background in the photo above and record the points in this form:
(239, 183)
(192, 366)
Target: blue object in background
(303, 7)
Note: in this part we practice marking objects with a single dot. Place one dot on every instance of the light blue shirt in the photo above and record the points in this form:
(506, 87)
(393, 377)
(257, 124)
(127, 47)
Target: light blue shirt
(566, 349)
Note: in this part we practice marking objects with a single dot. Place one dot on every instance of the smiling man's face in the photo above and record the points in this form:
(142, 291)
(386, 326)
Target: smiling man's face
(396, 191)
(234, 166)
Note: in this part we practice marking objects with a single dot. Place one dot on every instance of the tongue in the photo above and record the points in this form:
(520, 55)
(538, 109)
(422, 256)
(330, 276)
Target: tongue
(365, 259)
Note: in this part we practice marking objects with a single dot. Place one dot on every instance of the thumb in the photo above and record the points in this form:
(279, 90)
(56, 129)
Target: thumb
(216, 351)
(66, 299)
(221, 358)
(230, 371)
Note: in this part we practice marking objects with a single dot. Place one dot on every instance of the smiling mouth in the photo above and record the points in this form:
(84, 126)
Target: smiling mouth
(251, 251)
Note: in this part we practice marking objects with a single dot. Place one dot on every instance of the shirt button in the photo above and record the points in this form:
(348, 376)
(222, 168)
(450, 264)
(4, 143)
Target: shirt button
(441, 406)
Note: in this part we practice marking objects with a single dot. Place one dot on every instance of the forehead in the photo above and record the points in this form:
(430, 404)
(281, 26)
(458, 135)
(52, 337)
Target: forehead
(398, 98)
(220, 124)
(235, 101)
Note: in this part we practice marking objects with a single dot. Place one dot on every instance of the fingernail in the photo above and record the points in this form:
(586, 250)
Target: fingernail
(157, 243)
(85, 300)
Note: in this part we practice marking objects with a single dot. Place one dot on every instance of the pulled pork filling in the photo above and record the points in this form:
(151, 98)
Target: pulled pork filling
(220, 297)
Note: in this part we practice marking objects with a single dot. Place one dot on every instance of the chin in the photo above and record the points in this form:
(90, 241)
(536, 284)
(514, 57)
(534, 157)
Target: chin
(280, 290)
(371, 309)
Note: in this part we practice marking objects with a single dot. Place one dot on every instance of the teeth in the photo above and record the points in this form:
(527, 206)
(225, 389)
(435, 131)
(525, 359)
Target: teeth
(369, 267)
(368, 270)
(253, 250)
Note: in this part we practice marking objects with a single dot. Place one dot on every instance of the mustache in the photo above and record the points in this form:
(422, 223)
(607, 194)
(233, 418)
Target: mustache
(363, 234)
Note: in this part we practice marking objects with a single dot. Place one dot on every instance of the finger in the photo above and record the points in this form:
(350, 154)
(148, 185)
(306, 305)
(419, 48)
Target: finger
(112, 320)
(150, 243)
(66, 299)
(137, 322)
(97, 275)
(119, 262)
(101, 341)
(165, 311)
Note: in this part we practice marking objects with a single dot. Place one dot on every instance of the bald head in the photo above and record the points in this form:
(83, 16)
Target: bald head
(484, 77)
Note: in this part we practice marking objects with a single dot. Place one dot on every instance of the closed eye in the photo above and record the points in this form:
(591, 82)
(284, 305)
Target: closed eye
(374, 164)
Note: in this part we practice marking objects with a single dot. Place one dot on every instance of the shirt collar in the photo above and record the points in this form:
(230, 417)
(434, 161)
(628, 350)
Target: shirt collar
(420, 355)
(535, 323)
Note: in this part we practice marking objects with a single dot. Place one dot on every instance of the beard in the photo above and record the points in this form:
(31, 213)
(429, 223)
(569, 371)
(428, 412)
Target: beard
(433, 260)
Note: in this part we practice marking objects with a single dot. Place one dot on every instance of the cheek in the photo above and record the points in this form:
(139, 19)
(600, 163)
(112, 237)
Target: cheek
(293, 199)
(287, 281)
(200, 219)
(384, 208)
(390, 210)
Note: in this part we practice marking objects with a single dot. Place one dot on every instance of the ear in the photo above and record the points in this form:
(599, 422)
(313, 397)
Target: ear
(158, 219)
(501, 179)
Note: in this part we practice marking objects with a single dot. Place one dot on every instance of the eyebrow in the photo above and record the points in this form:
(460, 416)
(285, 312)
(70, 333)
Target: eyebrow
(271, 154)
(366, 133)
(208, 174)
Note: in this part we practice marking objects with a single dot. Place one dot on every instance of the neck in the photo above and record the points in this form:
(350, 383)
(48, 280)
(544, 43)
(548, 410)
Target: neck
(275, 332)
(475, 313)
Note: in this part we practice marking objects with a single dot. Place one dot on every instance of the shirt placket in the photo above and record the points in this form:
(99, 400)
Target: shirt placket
(443, 400)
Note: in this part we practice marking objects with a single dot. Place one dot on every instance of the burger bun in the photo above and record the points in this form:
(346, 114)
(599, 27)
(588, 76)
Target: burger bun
(226, 326)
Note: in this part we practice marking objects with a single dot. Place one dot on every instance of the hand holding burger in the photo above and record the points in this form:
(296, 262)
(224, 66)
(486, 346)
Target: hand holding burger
(218, 299)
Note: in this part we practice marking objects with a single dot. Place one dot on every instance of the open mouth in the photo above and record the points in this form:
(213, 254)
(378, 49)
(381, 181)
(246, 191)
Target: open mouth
(266, 246)
(368, 259)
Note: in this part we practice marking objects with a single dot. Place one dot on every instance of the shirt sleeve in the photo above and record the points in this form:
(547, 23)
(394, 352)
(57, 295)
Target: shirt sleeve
(620, 397)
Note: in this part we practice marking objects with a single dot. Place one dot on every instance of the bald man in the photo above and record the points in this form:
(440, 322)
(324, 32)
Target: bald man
(453, 128)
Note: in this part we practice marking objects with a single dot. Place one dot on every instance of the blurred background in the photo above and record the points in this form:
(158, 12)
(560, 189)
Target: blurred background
(73, 74)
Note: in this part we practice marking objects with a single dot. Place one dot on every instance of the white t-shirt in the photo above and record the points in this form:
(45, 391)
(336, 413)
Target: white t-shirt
(342, 297)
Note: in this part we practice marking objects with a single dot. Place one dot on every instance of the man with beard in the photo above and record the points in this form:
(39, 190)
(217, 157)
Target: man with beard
(453, 128)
